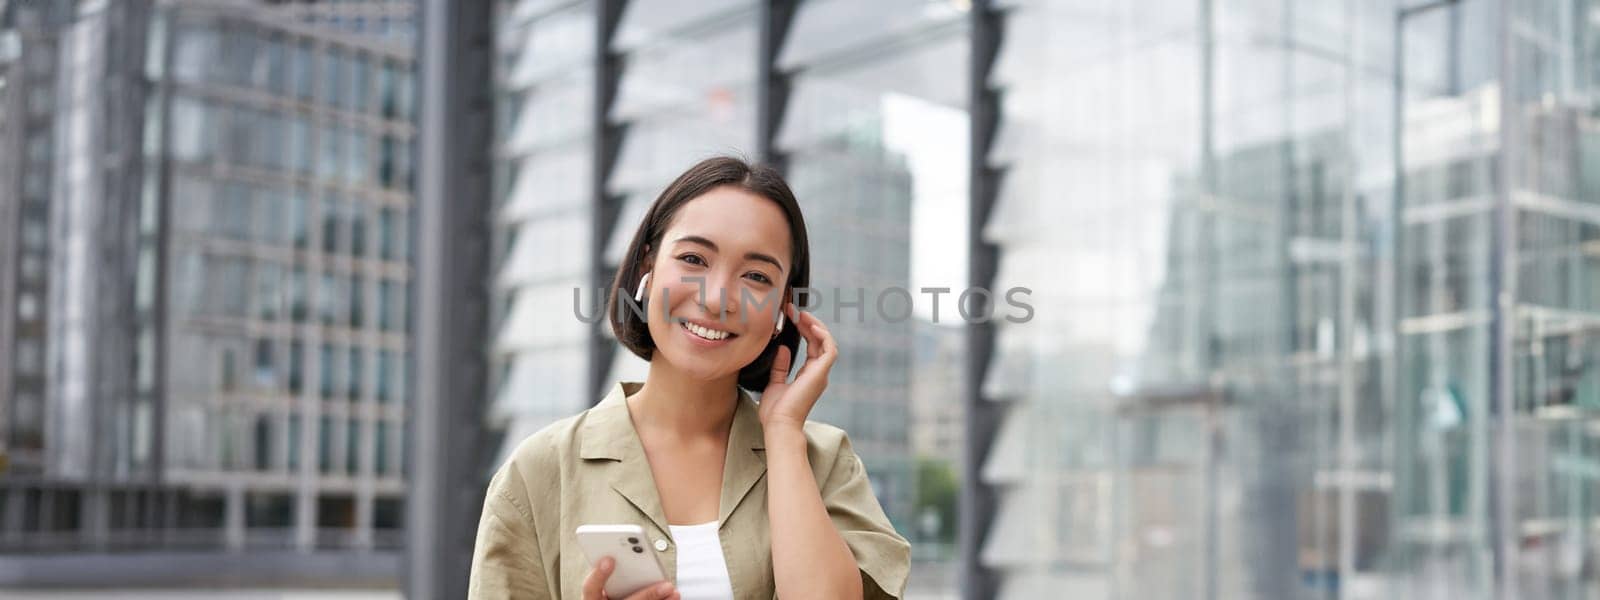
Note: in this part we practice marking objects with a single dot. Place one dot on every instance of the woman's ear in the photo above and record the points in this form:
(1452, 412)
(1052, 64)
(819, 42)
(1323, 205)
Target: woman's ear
(647, 258)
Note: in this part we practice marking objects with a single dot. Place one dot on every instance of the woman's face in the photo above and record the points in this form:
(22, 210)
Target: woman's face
(721, 265)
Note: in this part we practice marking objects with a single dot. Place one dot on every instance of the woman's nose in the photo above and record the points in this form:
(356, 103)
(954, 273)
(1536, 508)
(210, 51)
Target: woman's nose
(720, 298)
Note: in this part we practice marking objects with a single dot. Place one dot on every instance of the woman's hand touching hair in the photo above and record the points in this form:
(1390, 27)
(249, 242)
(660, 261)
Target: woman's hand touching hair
(785, 403)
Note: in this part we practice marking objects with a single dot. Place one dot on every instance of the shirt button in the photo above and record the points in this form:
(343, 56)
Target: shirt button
(661, 545)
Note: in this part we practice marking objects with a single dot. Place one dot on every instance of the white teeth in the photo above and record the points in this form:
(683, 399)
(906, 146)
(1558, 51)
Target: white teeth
(710, 334)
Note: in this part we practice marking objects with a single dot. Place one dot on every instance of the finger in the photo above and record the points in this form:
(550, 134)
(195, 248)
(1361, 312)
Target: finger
(800, 319)
(595, 584)
(830, 348)
(660, 591)
(814, 337)
(780, 366)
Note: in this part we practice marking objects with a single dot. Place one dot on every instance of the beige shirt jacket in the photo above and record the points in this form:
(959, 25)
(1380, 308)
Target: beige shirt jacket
(591, 469)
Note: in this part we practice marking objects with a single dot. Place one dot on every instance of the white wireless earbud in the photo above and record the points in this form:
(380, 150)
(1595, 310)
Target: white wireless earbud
(638, 294)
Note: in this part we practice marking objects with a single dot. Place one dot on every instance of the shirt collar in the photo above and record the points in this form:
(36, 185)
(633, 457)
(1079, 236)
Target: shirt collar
(608, 434)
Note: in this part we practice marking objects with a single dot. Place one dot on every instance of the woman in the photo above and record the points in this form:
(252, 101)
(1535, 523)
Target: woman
(738, 500)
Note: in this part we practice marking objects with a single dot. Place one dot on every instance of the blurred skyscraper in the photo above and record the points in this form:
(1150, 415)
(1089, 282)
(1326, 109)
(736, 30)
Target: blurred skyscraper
(937, 429)
(215, 356)
(1316, 330)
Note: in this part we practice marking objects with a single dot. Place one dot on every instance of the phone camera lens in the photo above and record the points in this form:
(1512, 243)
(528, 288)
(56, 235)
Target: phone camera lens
(638, 550)
(633, 540)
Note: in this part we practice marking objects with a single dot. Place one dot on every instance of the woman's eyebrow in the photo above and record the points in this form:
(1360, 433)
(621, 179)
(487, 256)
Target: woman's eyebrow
(703, 241)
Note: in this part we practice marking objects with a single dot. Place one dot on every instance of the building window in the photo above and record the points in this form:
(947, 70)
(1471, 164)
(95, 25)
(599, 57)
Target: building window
(402, 375)
(263, 443)
(40, 101)
(33, 234)
(332, 81)
(353, 377)
(269, 511)
(356, 156)
(229, 452)
(30, 356)
(391, 313)
(27, 307)
(266, 365)
(358, 80)
(32, 267)
(382, 451)
(297, 294)
(328, 162)
(192, 127)
(299, 226)
(383, 305)
(270, 217)
(230, 376)
(228, 285)
(299, 144)
(386, 233)
(232, 218)
(357, 298)
(277, 66)
(239, 141)
(269, 295)
(272, 140)
(388, 84)
(325, 370)
(352, 447)
(385, 374)
(402, 166)
(195, 52)
(330, 298)
(325, 444)
(405, 101)
(330, 223)
(357, 216)
(296, 370)
(386, 513)
(33, 186)
(388, 149)
(294, 442)
(240, 57)
(300, 65)
(233, 286)
(336, 512)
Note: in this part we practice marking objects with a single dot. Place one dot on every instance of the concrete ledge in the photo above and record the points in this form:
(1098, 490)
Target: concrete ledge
(215, 569)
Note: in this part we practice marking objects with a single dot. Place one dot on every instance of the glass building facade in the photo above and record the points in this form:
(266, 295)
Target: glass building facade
(285, 151)
(1314, 301)
(26, 100)
(545, 82)
(221, 197)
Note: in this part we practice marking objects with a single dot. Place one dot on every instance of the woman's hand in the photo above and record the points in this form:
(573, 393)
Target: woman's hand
(786, 403)
(594, 586)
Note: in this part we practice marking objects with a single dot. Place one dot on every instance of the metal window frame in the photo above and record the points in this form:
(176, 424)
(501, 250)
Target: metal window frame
(979, 501)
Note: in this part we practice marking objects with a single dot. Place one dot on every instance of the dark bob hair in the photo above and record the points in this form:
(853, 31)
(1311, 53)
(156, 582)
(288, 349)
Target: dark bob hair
(701, 178)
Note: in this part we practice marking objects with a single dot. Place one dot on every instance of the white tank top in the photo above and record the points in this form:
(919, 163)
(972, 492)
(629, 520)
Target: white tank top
(702, 571)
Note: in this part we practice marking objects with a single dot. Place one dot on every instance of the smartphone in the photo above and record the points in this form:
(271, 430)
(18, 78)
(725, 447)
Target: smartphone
(636, 564)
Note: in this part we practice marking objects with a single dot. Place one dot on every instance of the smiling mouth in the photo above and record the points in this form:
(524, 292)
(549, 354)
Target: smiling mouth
(710, 335)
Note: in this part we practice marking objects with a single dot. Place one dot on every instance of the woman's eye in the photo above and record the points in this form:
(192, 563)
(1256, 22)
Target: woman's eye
(692, 259)
(760, 277)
